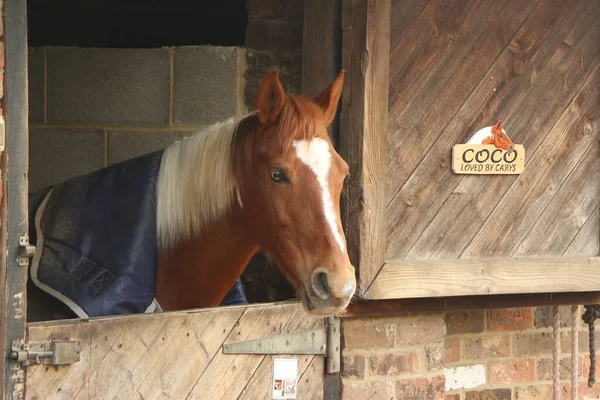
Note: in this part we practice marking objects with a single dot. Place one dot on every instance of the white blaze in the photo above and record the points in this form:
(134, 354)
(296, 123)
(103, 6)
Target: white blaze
(315, 154)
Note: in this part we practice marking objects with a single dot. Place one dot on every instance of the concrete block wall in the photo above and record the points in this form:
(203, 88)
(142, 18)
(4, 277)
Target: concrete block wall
(90, 108)
(500, 354)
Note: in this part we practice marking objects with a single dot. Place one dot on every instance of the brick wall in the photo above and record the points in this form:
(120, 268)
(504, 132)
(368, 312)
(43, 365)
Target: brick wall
(274, 40)
(501, 354)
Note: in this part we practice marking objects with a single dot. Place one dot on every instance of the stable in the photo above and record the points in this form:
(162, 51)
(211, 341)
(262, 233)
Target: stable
(470, 212)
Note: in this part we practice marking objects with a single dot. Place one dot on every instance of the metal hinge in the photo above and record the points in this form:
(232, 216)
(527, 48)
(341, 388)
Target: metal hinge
(323, 341)
(59, 351)
(26, 250)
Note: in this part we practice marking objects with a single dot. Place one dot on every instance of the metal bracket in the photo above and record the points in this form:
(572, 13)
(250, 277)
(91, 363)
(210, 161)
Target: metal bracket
(26, 250)
(59, 351)
(322, 341)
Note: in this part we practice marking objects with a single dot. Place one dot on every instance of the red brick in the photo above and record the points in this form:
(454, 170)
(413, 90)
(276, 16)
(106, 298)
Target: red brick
(538, 392)
(545, 366)
(378, 390)
(529, 344)
(421, 388)
(420, 330)
(513, 371)
(353, 365)
(393, 364)
(509, 319)
(544, 316)
(485, 347)
(434, 357)
(586, 367)
(488, 394)
(464, 322)
(451, 350)
(368, 333)
(585, 392)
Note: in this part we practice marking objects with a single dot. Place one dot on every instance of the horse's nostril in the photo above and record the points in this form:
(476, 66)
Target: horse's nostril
(320, 284)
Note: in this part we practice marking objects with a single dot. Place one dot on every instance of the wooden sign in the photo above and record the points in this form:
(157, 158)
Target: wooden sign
(487, 159)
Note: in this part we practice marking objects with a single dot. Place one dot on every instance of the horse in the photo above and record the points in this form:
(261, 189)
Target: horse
(194, 213)
(495, 135)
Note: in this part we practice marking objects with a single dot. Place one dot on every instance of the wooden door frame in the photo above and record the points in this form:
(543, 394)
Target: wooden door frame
(363, 143)
(15, 188)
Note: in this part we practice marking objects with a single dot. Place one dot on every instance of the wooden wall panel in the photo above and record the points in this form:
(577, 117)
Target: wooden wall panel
(460, 66)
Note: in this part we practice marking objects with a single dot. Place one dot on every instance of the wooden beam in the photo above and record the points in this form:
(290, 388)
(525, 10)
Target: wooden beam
(404, 307)
(436, 278)
(16, 184)
(363, 134)
(321, 52)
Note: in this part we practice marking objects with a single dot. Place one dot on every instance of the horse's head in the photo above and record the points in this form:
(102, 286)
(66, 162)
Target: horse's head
(290, 179)
(500, 139)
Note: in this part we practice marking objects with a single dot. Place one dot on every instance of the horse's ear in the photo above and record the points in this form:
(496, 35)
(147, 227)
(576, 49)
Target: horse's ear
(270, 98)
(497, 128)
(329, 97)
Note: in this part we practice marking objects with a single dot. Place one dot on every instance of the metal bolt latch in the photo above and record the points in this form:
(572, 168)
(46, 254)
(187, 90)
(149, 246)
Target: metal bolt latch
(59, 351)
(26, 250)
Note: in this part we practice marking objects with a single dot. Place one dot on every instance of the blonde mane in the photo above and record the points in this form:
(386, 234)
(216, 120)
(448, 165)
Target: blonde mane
(196, 184)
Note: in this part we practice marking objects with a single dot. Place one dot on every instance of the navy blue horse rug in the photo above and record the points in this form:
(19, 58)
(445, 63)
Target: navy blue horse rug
(96, 241)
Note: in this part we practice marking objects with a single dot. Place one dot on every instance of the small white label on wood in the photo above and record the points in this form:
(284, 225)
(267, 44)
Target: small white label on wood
(487, 159)
(285, 378)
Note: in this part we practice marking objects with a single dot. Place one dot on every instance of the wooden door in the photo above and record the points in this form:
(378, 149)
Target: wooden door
(174, 355)
(428, 78)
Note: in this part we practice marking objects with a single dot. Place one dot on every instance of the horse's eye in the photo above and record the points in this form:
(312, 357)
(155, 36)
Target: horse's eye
(279, 176)
(500, 136)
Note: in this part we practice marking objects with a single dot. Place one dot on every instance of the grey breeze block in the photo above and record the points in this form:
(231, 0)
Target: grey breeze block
(108, 86)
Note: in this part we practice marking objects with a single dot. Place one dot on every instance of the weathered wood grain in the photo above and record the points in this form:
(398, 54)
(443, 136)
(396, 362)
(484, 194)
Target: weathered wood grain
(572, 206)
(415, 124)
(14, 216)
(258, 386)
(587, 241)
(437, 305)
(404, 13)
(362, 144)
(227, 374)
(170, 355)
(436, 278)
(423, 46)
(475, 198)
(502, 88)
(547, 169)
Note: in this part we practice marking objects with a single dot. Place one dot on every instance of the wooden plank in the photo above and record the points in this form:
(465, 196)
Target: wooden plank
(259, 385)
(311, 386)
(188, 351)
(437, 305)
(321, 52)
(416, 122)
(435, 278)
(318, 46)
(587, 241)
(175, 355)
(15, 219)
(500, 91)
(471, 199)
(546, 171)
(227, 374)
(363, 145)
(431, 37)
(404, 14)
(571, 207)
